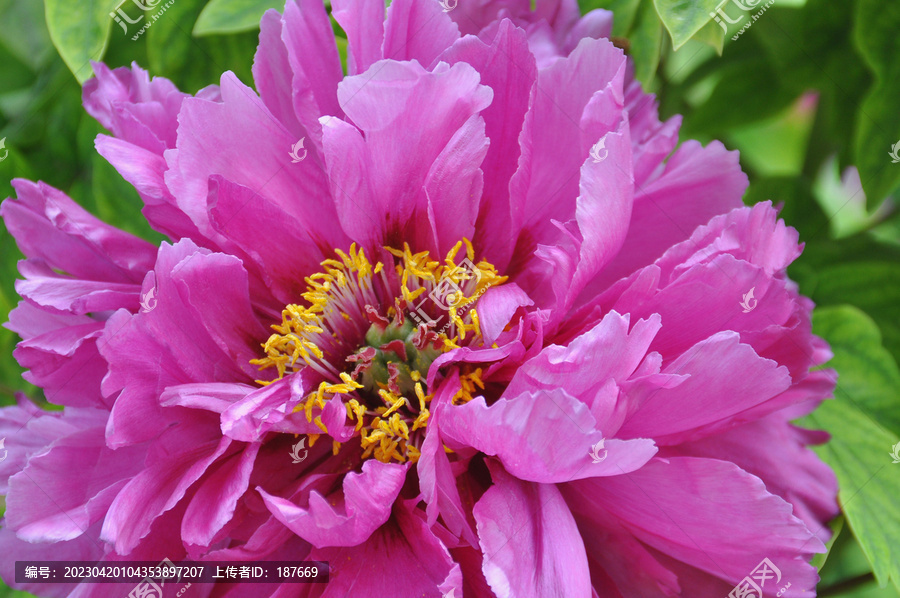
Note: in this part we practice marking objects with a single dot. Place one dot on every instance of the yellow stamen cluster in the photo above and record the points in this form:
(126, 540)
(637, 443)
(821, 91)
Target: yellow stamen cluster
(300, 332)
(471, 383)
(417, 268)
(308, 334)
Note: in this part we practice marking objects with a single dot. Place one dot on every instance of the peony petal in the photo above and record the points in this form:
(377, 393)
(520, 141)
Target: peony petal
(406, 36)
(530, 542)
(65, 490)
(348, 518)
(363, 22)
(708, 523)
(406, 545)
(542, 437)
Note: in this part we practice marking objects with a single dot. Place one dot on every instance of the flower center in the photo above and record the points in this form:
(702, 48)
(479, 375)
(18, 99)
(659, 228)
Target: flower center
(372, 333)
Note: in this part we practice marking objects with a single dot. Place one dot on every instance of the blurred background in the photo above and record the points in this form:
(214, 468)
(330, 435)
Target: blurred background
(808, 91)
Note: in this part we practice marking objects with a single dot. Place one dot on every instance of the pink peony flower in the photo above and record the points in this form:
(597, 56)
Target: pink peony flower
(487, 333)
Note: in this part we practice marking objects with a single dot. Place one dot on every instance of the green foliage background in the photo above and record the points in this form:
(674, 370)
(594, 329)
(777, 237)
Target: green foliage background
(809, 90)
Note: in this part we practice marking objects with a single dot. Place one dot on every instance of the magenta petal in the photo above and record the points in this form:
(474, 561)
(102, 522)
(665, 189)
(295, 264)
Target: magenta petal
(608, 351)
(47, 224)
(713, 391)
(85, 547)
(46, 287)
(504, 64)
(404, 38)
(363, 22)
(709, 523)
(372, 569)
(697, 184)
(554, 143)
(157, 489)
(146, 171)
(214, 502)
(307, 32)
(542, 437)
(271, 408)
(398, 106)
(272, 73)
(53, 500)
(350, 516)
(436, 480)
(136, 108)
(239, 139)
(531, 544)
(497, 307)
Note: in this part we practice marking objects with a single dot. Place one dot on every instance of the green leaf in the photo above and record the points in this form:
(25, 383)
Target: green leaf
(195, 63)
(857, 270)
(684, 18)
(23, 30)
(646, 44)
(80, 31)
(231, 16)
(877, 35)
(860, 446)
(624, 12)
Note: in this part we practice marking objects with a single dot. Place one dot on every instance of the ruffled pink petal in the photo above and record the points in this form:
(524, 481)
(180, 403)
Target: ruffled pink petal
(146, 171)
(162, 483)
(66, 363)
(713, 394)
(697, 184)
(215, 500)
(555, 142)
(542, 437)
(437, 483)
(240, 140)
(46, 287)
(381, 190)
(406, 36)
(372, 569)
(271, 408)
(199, 330)
(136, 108)
(775, 451)
(709, 523)
(504, 63)
(348, 517)
(86, 547)
(608, 351)
(363, 22)
(307, 32)
(530, 542)
(50, 226)
(53, 499)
